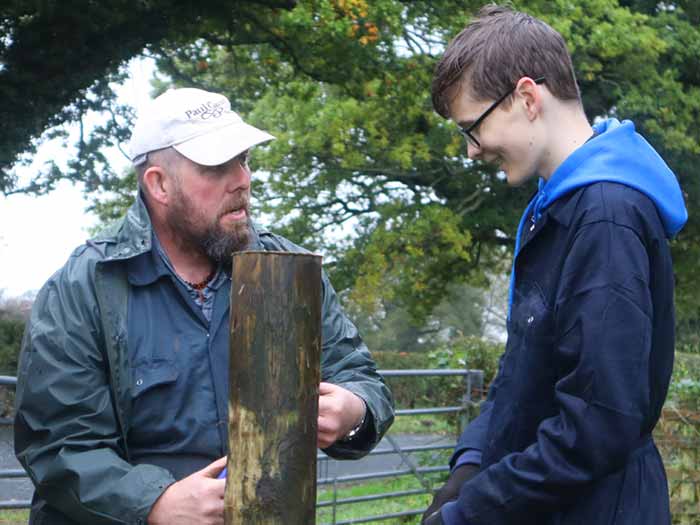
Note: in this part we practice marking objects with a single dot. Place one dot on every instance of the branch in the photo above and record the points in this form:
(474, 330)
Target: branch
(81, 140)
(497, 313)
(231, 42)
(287, 48)
(425, 38)
(477, 204)
(175, 71)
(339, 221)
(119, 144)
(284, 4)
(491, 238)
(411, 179)
(410, 42)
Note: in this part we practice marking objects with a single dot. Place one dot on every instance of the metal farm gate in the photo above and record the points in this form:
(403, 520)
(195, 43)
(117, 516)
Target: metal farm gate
(465, 408)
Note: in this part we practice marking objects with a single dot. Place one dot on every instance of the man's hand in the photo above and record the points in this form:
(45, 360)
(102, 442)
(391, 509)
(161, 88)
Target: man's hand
(449, 492)
(339, 411)
(198, 498)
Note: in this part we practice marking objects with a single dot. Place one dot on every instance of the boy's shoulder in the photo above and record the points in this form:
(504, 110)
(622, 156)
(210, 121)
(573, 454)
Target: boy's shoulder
(608, 202)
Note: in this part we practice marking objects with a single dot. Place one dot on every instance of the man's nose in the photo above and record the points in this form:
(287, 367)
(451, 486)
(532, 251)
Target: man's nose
(238, 177)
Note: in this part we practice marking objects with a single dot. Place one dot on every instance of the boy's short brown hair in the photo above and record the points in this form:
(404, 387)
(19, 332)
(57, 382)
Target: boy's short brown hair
(495, 50)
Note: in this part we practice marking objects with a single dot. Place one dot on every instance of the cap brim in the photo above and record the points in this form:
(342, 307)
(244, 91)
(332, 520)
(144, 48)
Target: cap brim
(221, 145)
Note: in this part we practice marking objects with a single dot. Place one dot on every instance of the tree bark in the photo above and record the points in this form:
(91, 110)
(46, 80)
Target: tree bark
(274, 375)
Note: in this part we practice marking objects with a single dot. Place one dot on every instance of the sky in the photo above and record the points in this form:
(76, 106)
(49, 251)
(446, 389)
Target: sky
(37, 234)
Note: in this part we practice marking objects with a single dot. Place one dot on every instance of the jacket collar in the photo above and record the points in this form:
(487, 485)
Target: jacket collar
(132, 235)
(563, 209)
(147, 267)
(128, 237)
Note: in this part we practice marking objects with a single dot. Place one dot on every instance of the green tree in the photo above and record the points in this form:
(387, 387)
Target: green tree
(13, 316)
(344, 85)
(390, 327)
(11, 331)
(57, 59)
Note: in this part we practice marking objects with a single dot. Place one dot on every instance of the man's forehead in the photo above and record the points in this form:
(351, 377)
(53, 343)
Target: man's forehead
(240, 158)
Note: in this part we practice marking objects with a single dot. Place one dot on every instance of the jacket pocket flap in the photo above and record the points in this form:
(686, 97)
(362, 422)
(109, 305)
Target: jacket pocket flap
(148, 377)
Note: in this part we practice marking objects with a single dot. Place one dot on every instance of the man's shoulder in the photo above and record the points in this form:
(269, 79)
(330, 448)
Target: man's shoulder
(83, 260)
(80, 265)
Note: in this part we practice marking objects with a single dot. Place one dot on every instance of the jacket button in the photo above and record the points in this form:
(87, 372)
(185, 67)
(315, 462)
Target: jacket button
(139, 382)
(532, 226)
(530, 319)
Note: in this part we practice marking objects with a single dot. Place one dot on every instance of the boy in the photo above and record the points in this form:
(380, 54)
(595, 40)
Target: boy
(565, 435)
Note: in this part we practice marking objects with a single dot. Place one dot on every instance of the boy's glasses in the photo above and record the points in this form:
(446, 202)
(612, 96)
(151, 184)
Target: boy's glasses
(468, 131)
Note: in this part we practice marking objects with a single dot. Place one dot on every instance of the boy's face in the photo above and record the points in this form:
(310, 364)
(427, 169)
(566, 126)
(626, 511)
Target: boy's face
(506, 137)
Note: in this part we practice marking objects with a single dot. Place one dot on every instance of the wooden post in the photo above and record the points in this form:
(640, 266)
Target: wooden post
(274, 374)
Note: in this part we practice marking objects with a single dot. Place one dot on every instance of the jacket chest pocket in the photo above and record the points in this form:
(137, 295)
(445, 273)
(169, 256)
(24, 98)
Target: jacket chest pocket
(535, 368)
(152, 393)
(153, 378)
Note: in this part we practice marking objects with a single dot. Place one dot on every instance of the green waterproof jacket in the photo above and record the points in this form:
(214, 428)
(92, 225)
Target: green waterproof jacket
(73, 404)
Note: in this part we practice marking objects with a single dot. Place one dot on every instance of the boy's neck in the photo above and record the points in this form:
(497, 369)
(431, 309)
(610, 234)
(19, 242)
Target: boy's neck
(568, 130)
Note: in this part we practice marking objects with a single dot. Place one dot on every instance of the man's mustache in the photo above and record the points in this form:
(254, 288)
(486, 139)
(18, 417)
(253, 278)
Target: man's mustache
(240, 201)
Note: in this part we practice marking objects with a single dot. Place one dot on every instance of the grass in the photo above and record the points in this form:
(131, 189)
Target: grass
(428, 424)
(14, 517)
(343, 512)
(351, 511)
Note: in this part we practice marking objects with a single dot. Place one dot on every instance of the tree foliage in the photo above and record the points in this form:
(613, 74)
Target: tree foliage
(13, 316)
(57, 59)
(365, 170)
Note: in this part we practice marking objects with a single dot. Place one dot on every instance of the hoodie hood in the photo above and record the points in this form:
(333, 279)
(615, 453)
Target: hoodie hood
(616, 153)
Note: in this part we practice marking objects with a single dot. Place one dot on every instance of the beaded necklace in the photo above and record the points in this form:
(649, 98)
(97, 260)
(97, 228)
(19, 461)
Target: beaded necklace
(201, 285)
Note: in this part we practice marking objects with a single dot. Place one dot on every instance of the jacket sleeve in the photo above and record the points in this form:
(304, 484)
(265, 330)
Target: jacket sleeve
(472, 439)
(66, 432)
(474, 436)
(346, 361)
(603, 320)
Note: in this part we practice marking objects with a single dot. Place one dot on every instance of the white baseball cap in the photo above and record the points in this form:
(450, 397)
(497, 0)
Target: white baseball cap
(198, 124)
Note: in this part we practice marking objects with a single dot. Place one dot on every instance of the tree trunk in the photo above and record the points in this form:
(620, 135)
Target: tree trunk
(273, 388)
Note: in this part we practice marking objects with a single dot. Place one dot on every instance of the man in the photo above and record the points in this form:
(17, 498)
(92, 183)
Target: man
(565, 434)
(122, 402)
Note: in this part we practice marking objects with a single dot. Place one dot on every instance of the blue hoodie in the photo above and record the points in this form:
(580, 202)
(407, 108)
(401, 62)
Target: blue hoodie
(617, 153)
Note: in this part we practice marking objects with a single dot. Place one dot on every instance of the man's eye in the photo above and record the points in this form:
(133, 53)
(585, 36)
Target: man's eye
(243, 158)
(218, 171)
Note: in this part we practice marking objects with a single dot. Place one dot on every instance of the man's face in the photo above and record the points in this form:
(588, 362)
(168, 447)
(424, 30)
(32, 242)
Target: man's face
(210, 208)
(505, 136)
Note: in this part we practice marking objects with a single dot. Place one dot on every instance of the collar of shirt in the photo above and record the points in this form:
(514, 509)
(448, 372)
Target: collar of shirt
(150, 266)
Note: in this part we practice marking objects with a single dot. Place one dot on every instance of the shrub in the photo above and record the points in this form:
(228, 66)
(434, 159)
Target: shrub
(11, 331)
(415, 392)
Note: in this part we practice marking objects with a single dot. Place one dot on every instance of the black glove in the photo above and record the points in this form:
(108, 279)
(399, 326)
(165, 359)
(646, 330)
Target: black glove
(449, 492)
(434, 519)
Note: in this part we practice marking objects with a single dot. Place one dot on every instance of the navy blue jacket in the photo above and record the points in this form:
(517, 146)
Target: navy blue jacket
(565, 434)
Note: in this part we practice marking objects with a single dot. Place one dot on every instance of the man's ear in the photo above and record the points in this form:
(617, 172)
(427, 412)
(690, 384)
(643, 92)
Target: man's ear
(529, 95)
(158, 184)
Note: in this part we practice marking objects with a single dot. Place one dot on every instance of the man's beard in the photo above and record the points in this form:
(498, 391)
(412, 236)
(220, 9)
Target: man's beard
(195, 232)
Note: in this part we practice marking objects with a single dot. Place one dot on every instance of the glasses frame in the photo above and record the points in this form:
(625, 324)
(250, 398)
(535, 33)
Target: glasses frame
(467, 132)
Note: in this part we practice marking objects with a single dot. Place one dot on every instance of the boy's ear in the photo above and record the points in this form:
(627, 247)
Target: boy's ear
(529, 95)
